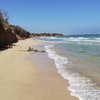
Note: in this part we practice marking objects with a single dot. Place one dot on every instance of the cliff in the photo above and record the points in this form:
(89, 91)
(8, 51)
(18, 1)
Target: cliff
(22, 33)
(10, 34)
(7, 35)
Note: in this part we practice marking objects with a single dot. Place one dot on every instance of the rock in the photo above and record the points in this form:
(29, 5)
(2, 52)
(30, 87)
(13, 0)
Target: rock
(33, 49)
(7, 35)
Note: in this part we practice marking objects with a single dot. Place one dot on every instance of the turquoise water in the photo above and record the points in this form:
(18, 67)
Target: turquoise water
(77, 59)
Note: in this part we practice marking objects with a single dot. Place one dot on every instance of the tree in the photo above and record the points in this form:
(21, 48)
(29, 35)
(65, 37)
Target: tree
(3, 16)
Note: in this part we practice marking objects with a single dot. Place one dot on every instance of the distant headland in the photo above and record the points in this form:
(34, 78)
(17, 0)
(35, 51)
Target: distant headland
(46, 34)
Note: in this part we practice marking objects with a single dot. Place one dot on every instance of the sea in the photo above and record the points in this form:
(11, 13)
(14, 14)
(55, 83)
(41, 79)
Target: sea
(77, 59)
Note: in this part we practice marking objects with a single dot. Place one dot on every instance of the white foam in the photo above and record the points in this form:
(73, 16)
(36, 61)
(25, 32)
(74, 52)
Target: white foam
(82, 40)
(79, 40)
(80, 86)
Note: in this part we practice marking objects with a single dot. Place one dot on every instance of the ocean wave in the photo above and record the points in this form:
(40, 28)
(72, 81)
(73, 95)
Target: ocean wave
(48, 37)
(82, 39)
(78, 40)
(80, 86)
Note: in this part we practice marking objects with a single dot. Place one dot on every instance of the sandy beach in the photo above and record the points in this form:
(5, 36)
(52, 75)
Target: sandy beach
(30, 76)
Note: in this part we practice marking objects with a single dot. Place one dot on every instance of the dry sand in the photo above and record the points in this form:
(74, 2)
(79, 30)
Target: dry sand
(22, 78)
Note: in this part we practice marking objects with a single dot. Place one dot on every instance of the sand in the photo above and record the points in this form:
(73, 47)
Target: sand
(30, 76)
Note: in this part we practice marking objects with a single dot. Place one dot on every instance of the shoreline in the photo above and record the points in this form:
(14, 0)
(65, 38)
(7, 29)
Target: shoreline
(22, 77)
(55, 84)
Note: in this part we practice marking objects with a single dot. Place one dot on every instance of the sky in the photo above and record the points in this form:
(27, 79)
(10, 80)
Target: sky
(60, 16)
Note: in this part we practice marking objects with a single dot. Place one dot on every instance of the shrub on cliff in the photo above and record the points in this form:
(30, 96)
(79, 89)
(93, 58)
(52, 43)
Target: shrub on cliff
(7, 35)
(3, 17)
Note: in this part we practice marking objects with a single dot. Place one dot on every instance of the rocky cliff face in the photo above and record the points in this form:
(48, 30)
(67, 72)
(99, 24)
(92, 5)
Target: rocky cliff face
(7, 35)
(21, 32)
(10, 34)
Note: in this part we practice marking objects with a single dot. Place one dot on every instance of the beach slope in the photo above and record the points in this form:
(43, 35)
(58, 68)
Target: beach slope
(21, 78)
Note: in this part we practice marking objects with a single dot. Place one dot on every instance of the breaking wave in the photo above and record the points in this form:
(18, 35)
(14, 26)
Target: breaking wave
(80, 86)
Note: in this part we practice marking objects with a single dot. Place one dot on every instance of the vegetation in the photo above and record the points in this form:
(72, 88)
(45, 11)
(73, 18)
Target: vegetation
(21, 32)
(9, 33)
(3, 16)
(46, 34)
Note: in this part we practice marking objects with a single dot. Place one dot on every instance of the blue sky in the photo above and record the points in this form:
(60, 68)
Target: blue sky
(62, 16)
